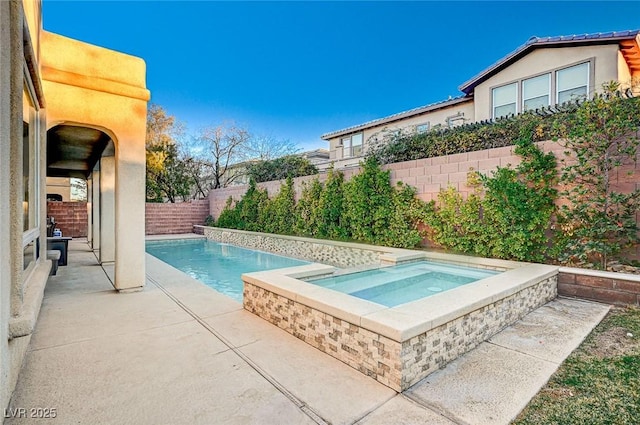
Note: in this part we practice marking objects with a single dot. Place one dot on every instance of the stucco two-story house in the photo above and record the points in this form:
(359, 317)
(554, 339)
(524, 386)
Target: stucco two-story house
(543, 72)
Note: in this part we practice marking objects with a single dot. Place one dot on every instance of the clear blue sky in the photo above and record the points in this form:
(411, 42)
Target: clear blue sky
(297, 70)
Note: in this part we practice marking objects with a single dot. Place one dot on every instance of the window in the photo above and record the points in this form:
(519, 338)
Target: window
(351, 145)
(455, 120)
(554, 87)
(572, 83)
(504, 100)
(536, 92)
(30, 177)
(422, 128)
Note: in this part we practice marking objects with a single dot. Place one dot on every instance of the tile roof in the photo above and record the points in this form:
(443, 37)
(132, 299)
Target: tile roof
(398, 116)
(539, 42)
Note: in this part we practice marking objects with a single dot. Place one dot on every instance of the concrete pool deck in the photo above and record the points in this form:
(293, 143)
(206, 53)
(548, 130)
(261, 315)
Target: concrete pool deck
(180, 353)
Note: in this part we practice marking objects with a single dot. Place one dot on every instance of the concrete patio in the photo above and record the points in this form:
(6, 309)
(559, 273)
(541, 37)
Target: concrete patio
(178, 352)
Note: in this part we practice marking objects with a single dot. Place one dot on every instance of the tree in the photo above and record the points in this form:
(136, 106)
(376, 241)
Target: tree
(265, 148)
(289, 166)
(600, 137)
(166, 177)
(221, 149)
(78, 189)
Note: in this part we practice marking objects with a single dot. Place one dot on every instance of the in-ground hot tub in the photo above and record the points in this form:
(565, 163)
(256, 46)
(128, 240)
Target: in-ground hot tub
(397, 345)
(400, 343)
(395, 285)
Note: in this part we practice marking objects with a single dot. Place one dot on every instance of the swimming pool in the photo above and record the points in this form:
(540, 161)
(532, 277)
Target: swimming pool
(392, 286)
(217, 265)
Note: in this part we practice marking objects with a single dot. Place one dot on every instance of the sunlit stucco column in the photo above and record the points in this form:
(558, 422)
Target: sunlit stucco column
(130, 211)
(95, 208)
(90, 210)
(107, 209)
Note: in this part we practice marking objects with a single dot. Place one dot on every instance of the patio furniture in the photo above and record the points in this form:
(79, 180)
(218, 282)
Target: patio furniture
(60, 244)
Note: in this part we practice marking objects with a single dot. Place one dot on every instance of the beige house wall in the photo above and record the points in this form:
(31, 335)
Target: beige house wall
(604, 68)
(408, 125)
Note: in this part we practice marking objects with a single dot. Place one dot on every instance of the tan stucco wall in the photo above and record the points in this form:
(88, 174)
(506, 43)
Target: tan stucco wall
(90, 86)
(60, 186)
(543, 60)
(408, 124)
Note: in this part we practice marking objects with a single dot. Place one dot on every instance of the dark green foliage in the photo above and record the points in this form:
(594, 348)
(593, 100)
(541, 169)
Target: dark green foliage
(511, 219)
(250, 207)
(366, 209)
(278, 214)
(229, 217)
(467, 138)
(407, 213)
(368, 202)
(598, 222)
(246, 213)
(281, 168)
(331, 222)
(308, 210)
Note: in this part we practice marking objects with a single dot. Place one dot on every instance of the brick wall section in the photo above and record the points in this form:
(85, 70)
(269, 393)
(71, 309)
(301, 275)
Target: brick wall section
(71, 217)
(605, 287)
(167, 218)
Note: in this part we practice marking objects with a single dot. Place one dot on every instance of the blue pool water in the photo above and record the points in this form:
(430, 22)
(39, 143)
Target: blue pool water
(218, 266)
(392, 286)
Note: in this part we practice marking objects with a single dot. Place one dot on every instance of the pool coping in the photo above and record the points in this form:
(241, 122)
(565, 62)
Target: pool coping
(408, 320)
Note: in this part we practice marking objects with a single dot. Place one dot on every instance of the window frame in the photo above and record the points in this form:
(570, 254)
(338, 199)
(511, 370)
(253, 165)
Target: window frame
(493, 98)
(31, 232)
(553, 81)
(549, 91)
(586, 85)
(348, 148)
(426, 124)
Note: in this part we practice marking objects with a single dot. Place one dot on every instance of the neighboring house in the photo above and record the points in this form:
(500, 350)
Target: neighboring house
(543, 72)
(316, 156)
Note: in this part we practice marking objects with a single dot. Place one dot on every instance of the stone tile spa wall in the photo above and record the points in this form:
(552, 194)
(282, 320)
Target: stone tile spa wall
(333, 253)
(396, 364)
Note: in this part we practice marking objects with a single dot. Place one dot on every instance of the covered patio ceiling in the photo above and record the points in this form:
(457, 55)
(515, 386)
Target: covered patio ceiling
(73, 151)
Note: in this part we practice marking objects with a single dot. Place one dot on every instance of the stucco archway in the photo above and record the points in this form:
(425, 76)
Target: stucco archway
(96, 110)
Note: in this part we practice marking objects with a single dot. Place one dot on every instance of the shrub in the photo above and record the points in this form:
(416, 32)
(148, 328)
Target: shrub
(330, 213)
(281, 168)
(600, 137)
(308, 209)
(510, 211)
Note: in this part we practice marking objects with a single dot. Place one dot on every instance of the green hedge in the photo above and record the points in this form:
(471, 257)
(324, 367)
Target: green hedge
(365, 209)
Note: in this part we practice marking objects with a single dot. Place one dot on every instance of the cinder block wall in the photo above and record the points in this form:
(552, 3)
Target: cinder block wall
(170, 218)
(606, 287)
(71, 217)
